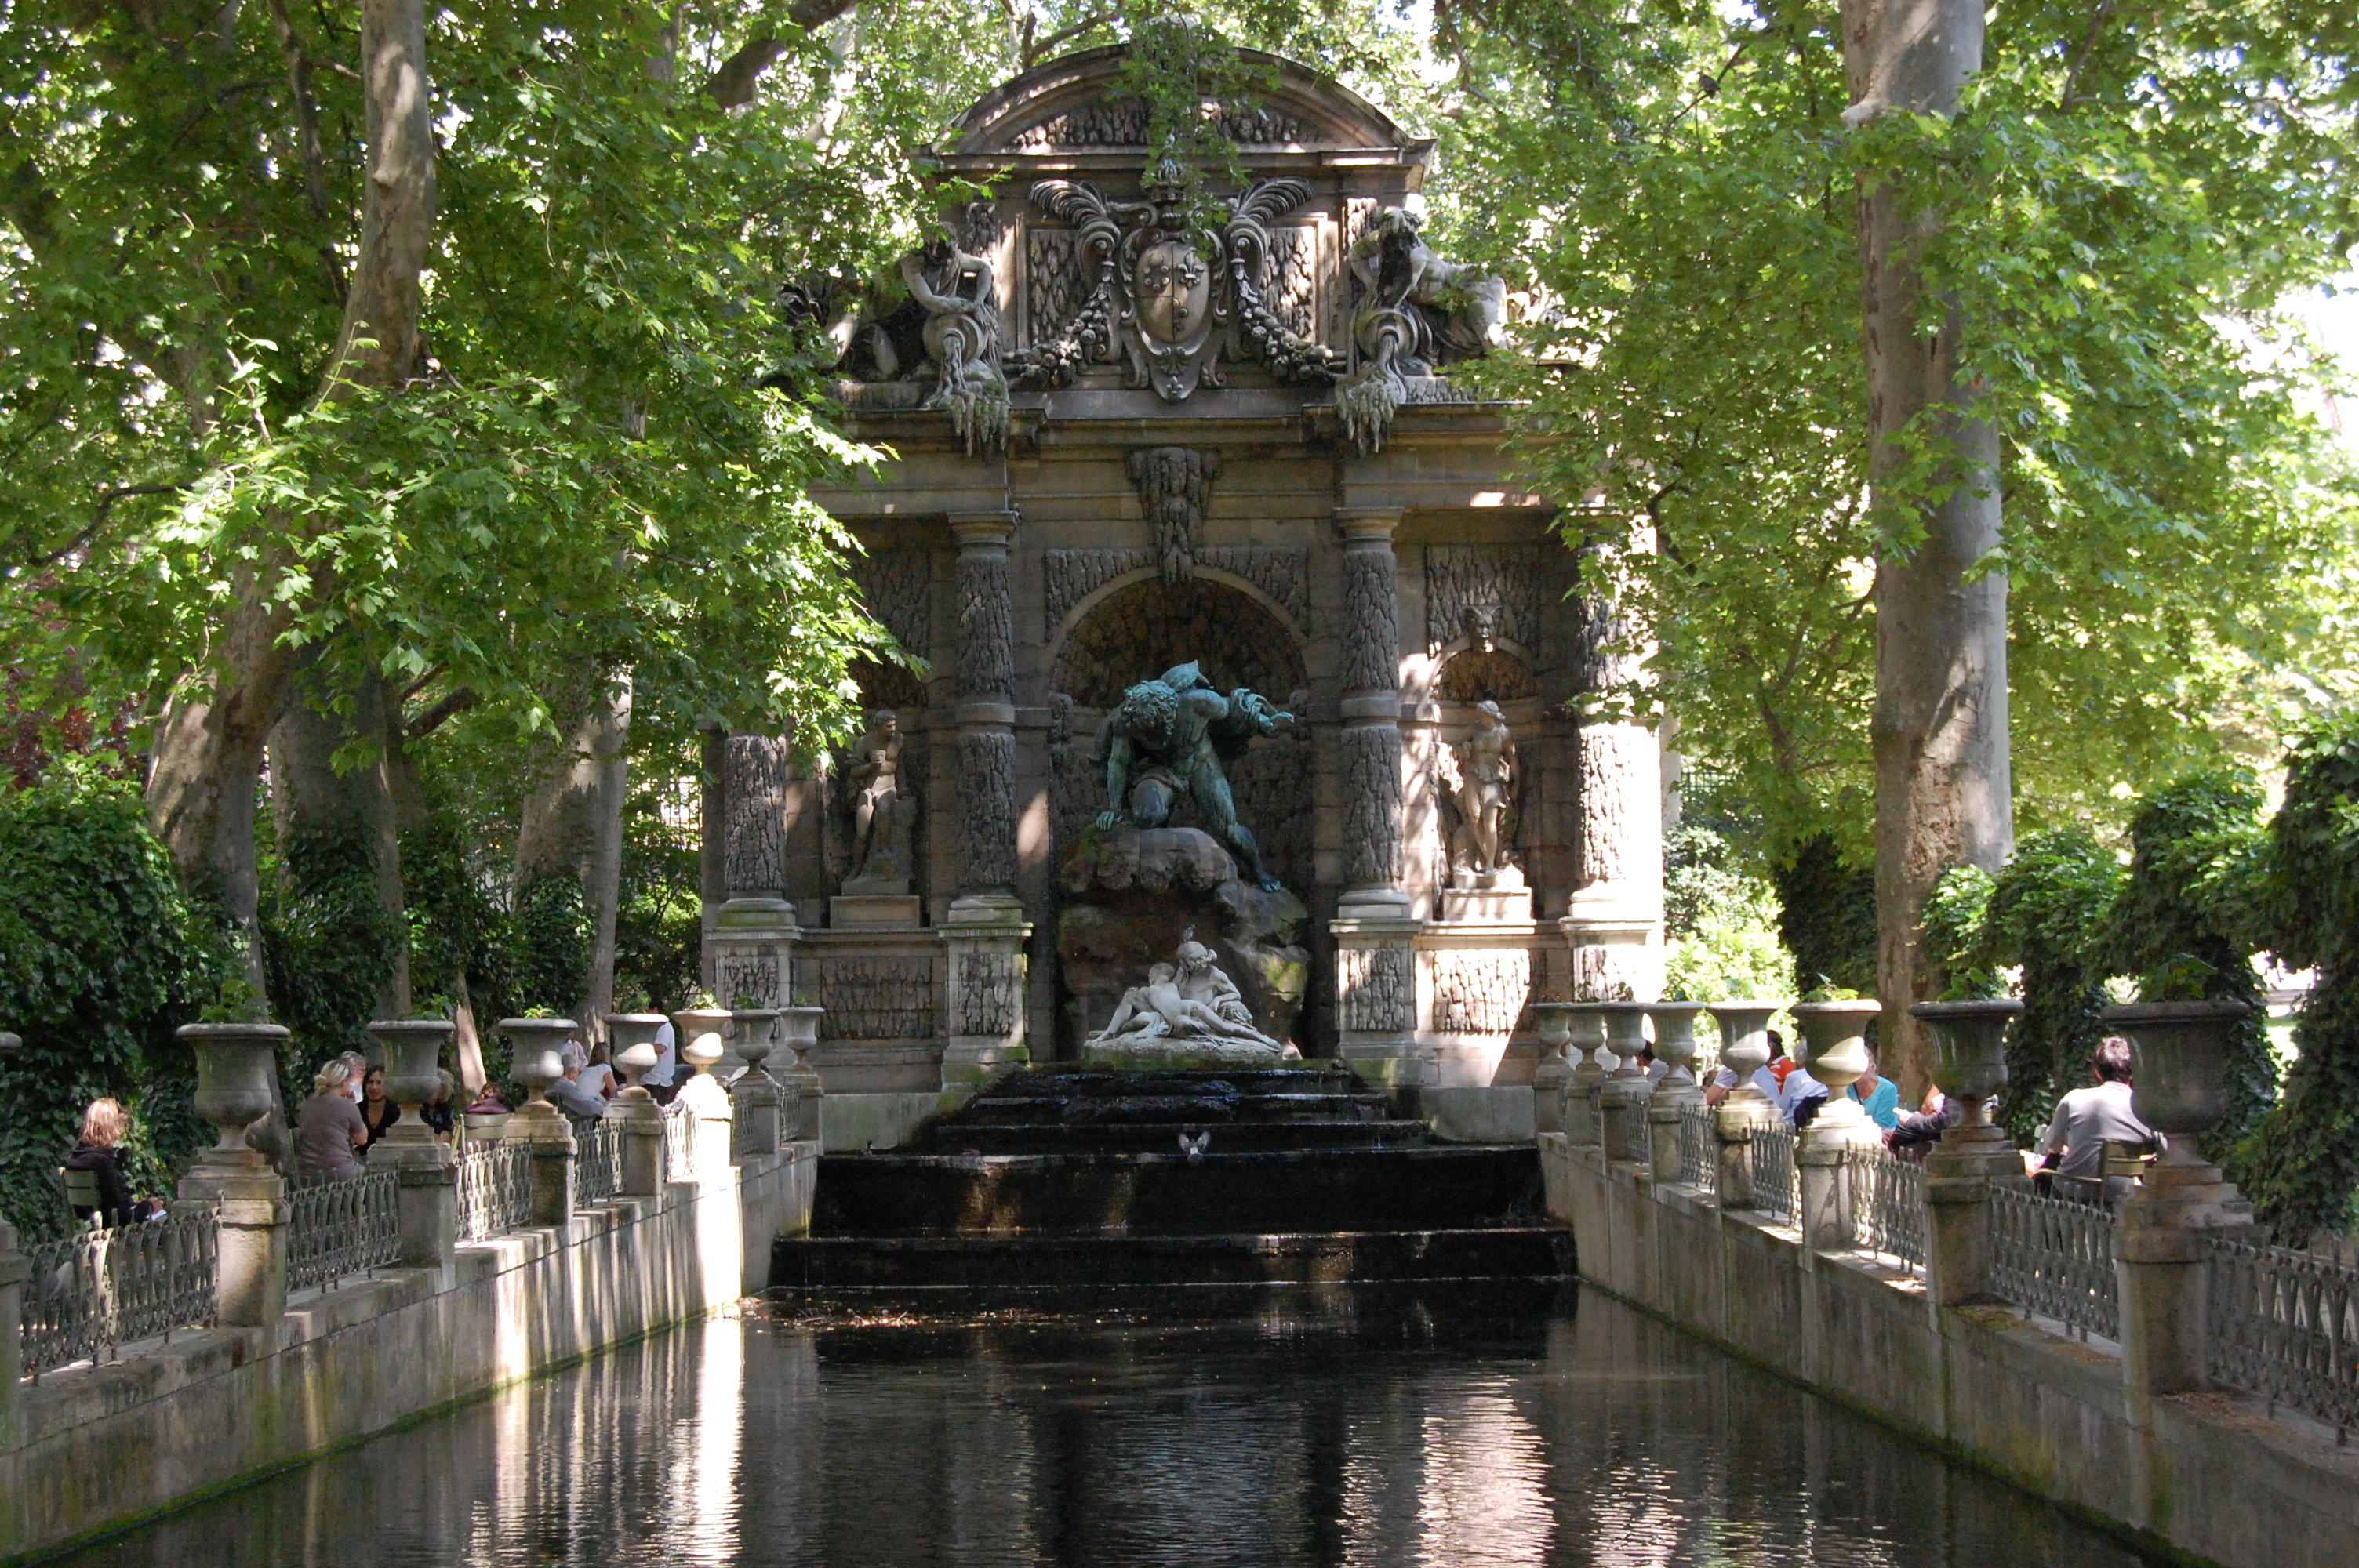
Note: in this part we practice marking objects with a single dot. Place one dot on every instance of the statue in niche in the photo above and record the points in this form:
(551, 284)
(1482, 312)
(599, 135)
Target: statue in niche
(1416, 313)
(1479, 777)
(882, 814)
(1187, 999)
(1169, 738)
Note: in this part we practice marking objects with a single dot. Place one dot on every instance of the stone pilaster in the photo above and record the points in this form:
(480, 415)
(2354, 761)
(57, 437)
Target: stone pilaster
(14, 1267)
(1614, 920)
(642, 1120)
(1375, 957)
(543, 1128)
(985, 932)
(751, 947)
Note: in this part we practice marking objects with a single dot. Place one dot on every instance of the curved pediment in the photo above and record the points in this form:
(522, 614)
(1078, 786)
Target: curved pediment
(1074, 106)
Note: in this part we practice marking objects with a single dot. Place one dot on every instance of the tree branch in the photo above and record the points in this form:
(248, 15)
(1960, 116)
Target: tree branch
(734, 84)
(452, 705)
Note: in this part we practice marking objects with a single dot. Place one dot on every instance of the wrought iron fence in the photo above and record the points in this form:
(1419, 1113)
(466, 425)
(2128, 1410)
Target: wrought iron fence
(678, 1143)
(336, 1229)
(495, 1189)
(1700, 1147)
(1887, 1205)
(2056, 1259)
(597, 1161)
(2285, 1325)
(95, 1289)
(1777, 1181)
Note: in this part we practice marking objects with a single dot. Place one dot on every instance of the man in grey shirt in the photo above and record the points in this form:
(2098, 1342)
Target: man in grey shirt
(569, 1095)
(2088, 1118)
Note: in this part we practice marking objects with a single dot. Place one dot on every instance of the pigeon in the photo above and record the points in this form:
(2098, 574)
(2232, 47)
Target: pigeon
(1193, 1148)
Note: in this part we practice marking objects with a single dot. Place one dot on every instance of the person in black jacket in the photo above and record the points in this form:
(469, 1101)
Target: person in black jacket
(102, 1128)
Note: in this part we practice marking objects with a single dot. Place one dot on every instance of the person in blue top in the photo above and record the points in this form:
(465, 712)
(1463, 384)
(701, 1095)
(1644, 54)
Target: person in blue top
(1880, 1096)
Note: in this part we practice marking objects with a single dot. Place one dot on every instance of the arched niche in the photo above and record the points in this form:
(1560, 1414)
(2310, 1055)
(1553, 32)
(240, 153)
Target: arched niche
(1140, 630)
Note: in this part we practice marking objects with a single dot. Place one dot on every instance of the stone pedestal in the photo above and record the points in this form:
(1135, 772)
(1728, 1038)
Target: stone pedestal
(756, 1099)
(234, 1061)
(641, 1121)
(753, 947)
(1376, 999)
(2161, 1252)
(875, 912)
(1624, 1101)
(1554, 1072)
(545, 1135)
(984, 937)
(14, 1267)
(427, 1184)
(1487, 906)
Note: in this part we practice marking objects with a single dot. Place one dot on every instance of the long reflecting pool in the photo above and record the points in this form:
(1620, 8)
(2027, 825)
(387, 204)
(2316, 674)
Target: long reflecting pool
(1378, 1427)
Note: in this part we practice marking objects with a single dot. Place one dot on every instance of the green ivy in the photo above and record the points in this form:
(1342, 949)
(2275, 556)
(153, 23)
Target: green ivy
(2046, 909)
(101, 957)
(1957, 935)
(1826, 918)
(2189, 917)
(659, 918)
(2301, 1166)
(552, 939)
(329, 945)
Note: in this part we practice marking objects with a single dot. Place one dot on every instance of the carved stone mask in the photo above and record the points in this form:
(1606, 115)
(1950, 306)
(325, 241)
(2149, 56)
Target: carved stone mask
(1482, 627)
(1174, 288)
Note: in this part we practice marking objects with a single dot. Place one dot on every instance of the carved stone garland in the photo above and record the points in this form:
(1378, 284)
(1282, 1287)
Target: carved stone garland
(987, 740)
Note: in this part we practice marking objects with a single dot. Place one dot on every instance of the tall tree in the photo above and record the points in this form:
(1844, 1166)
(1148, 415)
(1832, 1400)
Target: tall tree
(1944, 792)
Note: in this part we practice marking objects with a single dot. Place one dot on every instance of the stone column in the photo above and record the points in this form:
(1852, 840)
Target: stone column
(540, 1127)
(234, 1092)
(1375, 958)
(14, 1267)
(1622, 1103)
(1614, 920)
(751, 950)
(2162, 1233)
(1836, 1053)
(1968, 1042)
(985, 931)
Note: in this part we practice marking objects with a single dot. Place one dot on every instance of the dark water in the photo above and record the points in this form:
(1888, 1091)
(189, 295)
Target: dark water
(1366, 1428)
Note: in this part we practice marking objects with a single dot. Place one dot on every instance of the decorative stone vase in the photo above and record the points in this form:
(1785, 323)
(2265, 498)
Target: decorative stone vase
(1622, 1104)
(1552, 1021)
(1745, 1043)
(799, 1026)
(756, 1035)
(413, 1052)
(234, 1063)
(536, 1052)
(1835, 1045)
(1586, 1044)
(1969, 1052)
(698, 1028)
(2180, 1087)
(631, 1037)
(1675, 1042)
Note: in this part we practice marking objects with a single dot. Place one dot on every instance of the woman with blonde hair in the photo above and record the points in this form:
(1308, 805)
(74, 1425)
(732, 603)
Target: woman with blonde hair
(329, 1129)
(103, 1127)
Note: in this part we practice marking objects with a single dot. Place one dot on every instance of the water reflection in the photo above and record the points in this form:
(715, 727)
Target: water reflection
(1371, 1427)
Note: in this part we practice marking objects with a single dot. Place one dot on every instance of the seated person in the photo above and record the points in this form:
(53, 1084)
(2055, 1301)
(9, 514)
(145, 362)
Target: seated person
(102, 1126)
(570, 1095)
(329, 1132)
(2088, 1118)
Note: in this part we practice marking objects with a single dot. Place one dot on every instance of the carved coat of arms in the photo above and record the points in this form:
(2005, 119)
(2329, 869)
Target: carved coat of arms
(1168, 298)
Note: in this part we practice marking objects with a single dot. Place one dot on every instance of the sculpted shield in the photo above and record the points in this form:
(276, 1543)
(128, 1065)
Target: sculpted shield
(1174, 291)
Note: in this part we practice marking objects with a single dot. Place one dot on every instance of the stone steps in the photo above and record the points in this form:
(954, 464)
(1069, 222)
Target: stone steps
(944, 1264)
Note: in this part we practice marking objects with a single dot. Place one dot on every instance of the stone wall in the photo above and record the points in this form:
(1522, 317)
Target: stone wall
(103, 1447)
(2212, 1475)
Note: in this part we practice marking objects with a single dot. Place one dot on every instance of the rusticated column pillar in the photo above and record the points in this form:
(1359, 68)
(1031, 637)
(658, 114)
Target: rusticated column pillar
(985, 930)
(1375, 957)
(1614, 920)
(754, 933)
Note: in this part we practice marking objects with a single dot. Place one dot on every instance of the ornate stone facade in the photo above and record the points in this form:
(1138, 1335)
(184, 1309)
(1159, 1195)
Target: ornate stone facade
(1195, 469)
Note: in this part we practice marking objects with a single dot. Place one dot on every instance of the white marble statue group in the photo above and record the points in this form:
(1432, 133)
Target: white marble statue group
(1187, 1009)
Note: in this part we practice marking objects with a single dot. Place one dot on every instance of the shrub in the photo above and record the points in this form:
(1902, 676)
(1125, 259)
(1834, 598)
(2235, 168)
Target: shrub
(100, 958)
(2300, 1167)
(2047, 909)
(1827, 918)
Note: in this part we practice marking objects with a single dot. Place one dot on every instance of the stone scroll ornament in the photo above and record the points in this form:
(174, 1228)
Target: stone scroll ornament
(1415, 313)
(1168, 297)
(1169, 738)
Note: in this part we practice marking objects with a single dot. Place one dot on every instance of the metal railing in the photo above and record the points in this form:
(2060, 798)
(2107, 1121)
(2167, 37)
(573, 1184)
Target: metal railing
(1776, 1180)
(678, 1143)
(93, 1291)
(2056, 1259)
(1700, 1147)
(1887, 1205)
(597, 1161)
(2285, 1325)
(495, 1189)
(334, 1228)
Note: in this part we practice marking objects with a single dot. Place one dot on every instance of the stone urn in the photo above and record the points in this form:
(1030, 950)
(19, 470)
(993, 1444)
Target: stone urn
(234, 1067)
(756, 1035)
(631, 1037)
(1834, 1040)
(1552, 1021)
(1969, 1052)
(413, 1053)
(698, 1028)
(800, 1025)
(1675, 1042)
(1745, 1043)
(1622, 1104)
(2180, 1084)
(536, 1052)
(1586, 1044)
